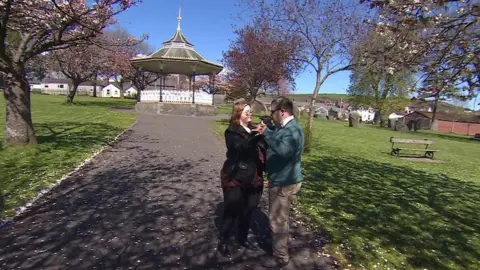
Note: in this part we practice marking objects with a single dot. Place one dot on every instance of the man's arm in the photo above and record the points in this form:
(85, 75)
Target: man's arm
(284, 144)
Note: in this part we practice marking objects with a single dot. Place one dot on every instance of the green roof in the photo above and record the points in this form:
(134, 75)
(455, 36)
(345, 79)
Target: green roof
(178, 37)
(177, 56)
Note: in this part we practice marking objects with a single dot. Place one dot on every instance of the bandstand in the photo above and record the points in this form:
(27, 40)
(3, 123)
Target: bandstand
(177, 56)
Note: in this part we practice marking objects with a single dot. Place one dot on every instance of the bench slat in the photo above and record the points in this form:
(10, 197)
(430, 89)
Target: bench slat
(394, 140)
(426, 150)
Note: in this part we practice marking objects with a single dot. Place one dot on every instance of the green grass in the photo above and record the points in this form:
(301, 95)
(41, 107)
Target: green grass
(380, 212)
(67, 134)
(224, 109)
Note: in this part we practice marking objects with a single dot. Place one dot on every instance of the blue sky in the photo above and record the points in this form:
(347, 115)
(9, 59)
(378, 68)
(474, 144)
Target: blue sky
(209, 25)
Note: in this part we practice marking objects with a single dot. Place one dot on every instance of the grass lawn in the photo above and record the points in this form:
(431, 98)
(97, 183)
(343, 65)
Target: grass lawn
(378, 211)
(67, 134)
(224, 109)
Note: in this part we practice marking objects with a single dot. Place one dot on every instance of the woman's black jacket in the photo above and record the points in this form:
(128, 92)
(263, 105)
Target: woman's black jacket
(243, 157)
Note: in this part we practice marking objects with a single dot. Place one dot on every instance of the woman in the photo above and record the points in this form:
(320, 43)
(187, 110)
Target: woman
(241, 175)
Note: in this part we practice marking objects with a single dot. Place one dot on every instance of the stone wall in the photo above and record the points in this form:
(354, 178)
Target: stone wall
(187, 109)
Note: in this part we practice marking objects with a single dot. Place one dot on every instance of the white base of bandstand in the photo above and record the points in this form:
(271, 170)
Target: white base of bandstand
(187, 109)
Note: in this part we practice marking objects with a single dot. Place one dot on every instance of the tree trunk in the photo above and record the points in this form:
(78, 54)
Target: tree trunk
(253, 98)
(18, 127)
(139, 91)
(121, 87)
(434, 111)
(381, 99)
(95, 85)
(264, 106)
(309, 129)
(71, 92)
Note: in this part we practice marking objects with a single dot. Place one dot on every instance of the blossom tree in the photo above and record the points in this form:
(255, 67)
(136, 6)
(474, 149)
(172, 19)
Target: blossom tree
(119, 58)
(120, 67)
(43, 26)
(324, 30)
(441, 39)
(79, 63)
(372, 83)
(204, 83)
(258, 59)
(284, 87)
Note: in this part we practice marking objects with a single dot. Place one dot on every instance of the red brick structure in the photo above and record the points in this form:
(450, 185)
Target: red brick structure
(465, 128)
(465, 124)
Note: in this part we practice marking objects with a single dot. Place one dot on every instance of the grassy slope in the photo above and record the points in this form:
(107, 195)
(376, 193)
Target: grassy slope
(379, 211)
(67, 134)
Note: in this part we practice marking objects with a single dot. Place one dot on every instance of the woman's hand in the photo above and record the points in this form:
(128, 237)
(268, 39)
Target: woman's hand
(260, 128)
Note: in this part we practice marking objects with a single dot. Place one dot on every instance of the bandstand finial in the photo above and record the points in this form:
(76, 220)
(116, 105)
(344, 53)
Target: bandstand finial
(179, 18)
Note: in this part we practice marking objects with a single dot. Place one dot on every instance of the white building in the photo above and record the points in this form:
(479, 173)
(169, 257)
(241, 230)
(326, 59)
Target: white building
(111, 90)
(131, 91)
(367, 115)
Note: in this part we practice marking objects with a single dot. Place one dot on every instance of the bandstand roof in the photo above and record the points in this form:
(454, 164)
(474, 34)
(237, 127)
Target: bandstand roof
(177, 56)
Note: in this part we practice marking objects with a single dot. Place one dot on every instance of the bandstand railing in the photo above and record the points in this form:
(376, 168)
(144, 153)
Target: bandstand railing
(175, 96)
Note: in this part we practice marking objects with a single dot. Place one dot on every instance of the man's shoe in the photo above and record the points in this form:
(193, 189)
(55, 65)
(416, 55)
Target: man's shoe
(247, 244)
(273, 262)
(222, 247)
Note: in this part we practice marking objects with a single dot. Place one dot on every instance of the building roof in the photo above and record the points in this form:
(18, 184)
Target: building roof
(177, 56)
(417, 114)
(178, 37)
(461, 117)
(55, 80)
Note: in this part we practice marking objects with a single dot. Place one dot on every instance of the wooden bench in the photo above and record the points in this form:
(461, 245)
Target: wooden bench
(396, 150)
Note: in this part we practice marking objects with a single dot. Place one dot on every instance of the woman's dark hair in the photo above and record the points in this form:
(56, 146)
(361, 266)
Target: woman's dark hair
(237, 109)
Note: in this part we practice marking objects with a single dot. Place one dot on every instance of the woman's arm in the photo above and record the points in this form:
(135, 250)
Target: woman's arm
(237, 142)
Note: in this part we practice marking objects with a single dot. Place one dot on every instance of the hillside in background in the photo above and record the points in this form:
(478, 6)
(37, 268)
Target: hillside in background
(331, 97)
(320, 98)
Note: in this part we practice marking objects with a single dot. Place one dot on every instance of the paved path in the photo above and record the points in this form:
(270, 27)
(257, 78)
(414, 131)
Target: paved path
(152, 201)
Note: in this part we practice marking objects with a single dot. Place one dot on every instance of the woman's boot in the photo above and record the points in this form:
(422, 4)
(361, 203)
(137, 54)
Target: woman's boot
(222, 247)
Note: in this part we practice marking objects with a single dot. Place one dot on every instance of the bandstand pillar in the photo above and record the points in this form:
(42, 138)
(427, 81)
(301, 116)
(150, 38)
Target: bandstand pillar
(162, 81)
(213, 88)
(194, 69)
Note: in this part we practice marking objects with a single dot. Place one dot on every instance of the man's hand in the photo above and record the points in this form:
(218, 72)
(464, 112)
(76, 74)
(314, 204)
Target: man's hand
(260, 129)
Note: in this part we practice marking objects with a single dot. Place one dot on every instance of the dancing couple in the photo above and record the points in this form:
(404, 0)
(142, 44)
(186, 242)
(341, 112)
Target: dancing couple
(274, 146)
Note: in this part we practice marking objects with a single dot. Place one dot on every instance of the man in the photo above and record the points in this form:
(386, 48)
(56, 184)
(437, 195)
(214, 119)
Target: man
(285, 143)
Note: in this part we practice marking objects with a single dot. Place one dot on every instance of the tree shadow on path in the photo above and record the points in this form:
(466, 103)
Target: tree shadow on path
(132, 208)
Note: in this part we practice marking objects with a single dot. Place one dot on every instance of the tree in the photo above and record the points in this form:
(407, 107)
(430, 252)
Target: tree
(120, 68)
(371, 88)
(324, 30)
(284, 87)
(204, 84)
(257, 60)
(79, 63)
(372, 82)
(441, 39)
(458, 111)
(42, 26)
(141, 79)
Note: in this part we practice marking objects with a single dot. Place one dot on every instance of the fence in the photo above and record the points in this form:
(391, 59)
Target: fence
(64, 92)
(464, 128)
(175, 96)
